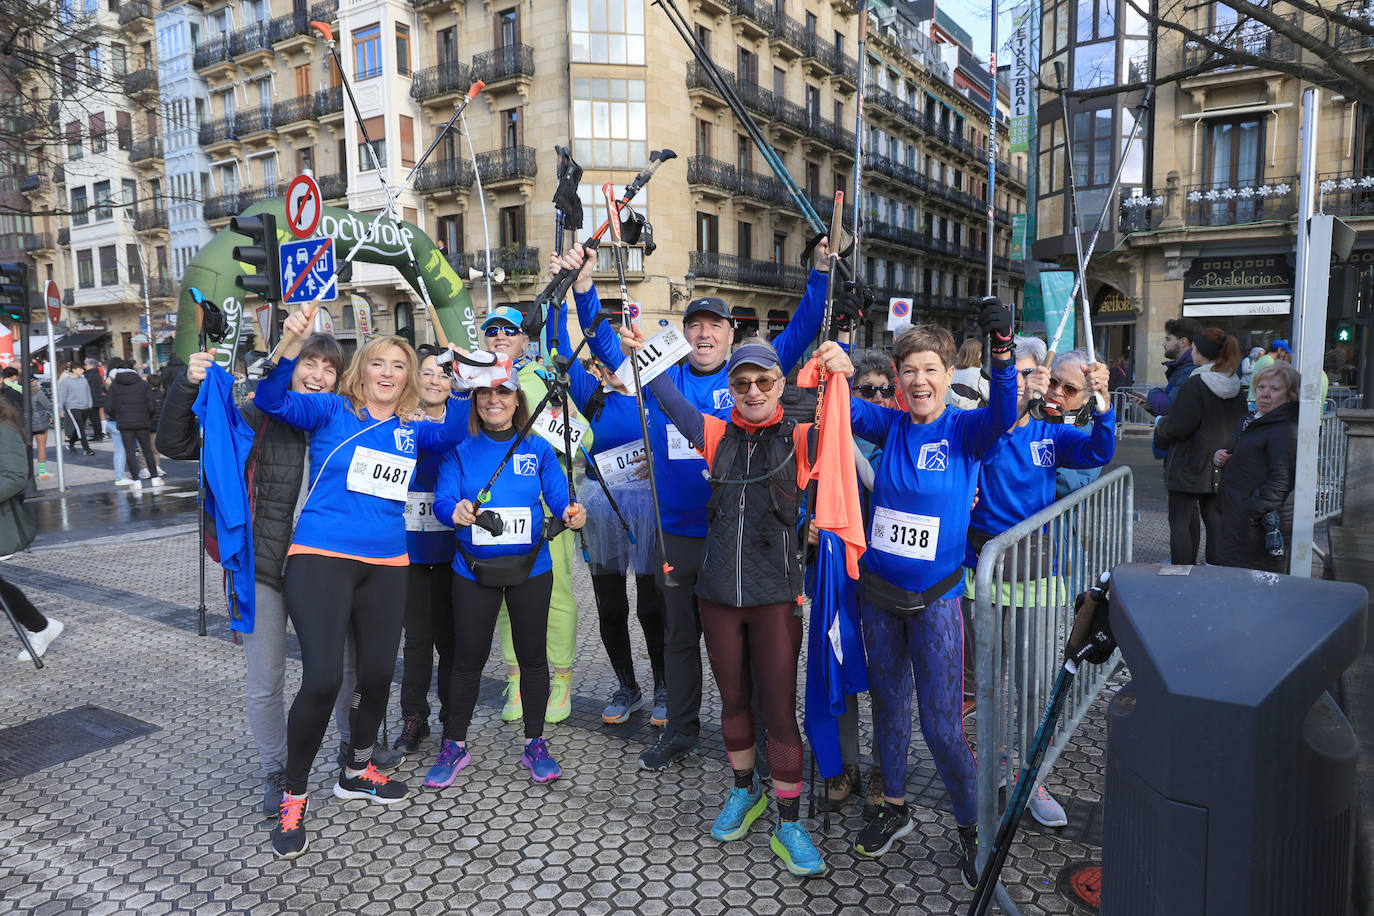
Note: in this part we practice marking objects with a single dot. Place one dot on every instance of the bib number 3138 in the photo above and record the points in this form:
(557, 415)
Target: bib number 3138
(380, 474)
(904, 534)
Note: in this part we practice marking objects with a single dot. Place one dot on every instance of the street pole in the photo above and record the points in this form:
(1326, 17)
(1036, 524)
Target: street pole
(1309, 324)
(1307, 185)
(54, 378)
(147, 308)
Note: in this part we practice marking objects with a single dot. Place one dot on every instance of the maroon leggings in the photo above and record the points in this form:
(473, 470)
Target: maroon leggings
(763, 642)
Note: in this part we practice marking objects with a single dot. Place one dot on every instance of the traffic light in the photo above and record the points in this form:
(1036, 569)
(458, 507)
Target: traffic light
(1344, 333)
(261, 255)
(14, 291)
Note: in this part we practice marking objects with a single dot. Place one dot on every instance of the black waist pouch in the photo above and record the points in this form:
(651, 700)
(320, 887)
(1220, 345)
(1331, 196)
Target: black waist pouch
(894, 599)
(502, 572)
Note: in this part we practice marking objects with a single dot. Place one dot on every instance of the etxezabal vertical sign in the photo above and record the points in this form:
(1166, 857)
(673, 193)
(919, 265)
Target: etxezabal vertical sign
(1022, 48)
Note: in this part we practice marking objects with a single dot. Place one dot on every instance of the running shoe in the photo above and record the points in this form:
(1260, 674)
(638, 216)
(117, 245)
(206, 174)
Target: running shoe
(124, 482)
(452, 758)
(273, 785)
(742, 808)
(1046, 810)
(668, 750)
(839, 789)
(560, 698)
(873, 793)
(414, 729)
(383, 759)
(288, 837)
(968, 856)
(371, 785)
(542, 766)
(514, 709)
(890, 824)
(659, 716)
(792, 843)
(625, 701)
(158, 483)
(42, 639)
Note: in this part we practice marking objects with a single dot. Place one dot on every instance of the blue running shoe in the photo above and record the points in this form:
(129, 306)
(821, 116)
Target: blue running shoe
(543, 768)
(742, 808)
(792, 844)
(625, 701)
(452, 759)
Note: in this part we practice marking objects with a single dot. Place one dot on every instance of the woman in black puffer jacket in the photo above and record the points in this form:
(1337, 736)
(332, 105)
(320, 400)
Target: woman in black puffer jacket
(1257, 475)
(1203, 418)
(129, 404)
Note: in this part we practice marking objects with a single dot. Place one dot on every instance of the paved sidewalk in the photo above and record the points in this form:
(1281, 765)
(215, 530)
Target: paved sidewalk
(167, 820)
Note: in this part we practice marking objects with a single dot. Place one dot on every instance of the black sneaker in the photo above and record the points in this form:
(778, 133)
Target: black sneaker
(890, 824)
(383, 759)
(414, 729)
(273, 785)
(968, 855)
(288, 837)
(668, 750)
(371, 785)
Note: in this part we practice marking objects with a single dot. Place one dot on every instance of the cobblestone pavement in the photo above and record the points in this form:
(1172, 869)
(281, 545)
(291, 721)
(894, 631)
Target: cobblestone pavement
(167, 821)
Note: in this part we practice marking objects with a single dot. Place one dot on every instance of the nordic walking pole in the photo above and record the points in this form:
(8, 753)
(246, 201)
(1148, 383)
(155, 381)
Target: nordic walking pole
(591, 464)
(858, 197)
(618, 244)
(989, 289)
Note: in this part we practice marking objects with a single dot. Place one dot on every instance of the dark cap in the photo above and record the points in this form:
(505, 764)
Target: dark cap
(713, 304)
(753, 353)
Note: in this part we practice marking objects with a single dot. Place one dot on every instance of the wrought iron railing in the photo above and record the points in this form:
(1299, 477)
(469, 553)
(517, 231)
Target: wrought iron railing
(142, 150)
(64, 237)
(144, 80)
(131, 10)
(31, 183)
(37, 241)
(328, 101)
(697, 77)
(1220, 204)
(1249, 39)
(288, 26)
(1348, 39)
(159, 287)
(253, 121)
(254, 37)
(334, 186)
(212, 51)
(1347, 194)
(1140, 210)
(509, 163)
(444, 174)
(217, 130)
(760, 187)
(290, 111)
(730, 268)
(449, 76)
(702, 170)
(222, 206)
(515, 260)
(503, 63)
(152, 218)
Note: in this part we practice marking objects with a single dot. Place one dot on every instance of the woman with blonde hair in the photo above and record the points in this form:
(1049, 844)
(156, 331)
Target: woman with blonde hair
(968, 390)
(347, 564)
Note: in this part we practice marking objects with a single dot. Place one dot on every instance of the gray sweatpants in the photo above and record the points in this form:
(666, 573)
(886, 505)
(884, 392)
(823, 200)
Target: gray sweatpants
(264, 651)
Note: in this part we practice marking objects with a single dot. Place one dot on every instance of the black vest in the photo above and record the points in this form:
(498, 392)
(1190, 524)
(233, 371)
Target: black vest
(750, 558)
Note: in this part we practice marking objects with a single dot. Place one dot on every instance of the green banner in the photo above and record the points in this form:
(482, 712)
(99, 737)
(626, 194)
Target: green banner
(1018, 236)
(213, 271)
(1056, 287)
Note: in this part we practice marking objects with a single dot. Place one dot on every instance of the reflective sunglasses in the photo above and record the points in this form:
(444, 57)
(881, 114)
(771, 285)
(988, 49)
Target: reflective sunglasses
(742, 385)
(1068, 389)
(499, 329)
(869, 391)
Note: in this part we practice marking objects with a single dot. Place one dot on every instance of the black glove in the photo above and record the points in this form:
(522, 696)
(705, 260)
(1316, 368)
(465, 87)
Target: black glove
(994, 319)
(850, 304)
(1092, 639)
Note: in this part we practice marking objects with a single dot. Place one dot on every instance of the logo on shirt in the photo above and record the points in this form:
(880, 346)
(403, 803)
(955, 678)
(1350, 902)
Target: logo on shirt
(526, 466)
(723, 399)
(1042, 453)
(404, 437)
(934, 456)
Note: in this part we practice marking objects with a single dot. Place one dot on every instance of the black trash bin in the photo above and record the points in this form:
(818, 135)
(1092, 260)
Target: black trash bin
(1230, 770)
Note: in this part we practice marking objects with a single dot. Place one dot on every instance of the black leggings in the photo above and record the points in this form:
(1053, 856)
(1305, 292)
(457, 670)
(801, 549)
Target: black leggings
(143, 439)
(324, 597)
(613, 607)
(1184, 532)
(429, 626)
(29, 617)
(474, 621)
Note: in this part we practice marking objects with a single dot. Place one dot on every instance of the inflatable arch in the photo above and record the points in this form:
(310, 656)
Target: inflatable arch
(213, 270)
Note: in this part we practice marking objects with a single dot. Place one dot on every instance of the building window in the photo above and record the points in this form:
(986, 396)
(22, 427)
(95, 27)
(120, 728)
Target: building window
(744, 239)
(93, 61)
(85, 269)
(80, 216)
(606, 31)
(119, 60)
(129, 192)
(124, 131)
(302, 81)
(507, 28)
(135, 265)
(402, 50)
(446, 45)
(512, 226)
(779, 247)
(451, 234)
(703, 138)
(376, 130)
(407, 141)
(109, 266)
(367, 52)
(813, 179)
(98, 132)
(101, 193)
(744, 153)
(511, 133)
(403, 318)
(708, 232)
(609, 122)
(74, 150)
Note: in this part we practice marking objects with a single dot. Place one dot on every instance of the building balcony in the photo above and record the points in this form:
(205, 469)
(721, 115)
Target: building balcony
(421, 5)
(286, 33)
(502, 65)
(333, 187)
(158, 288)
(218, 133)
(506, 165)
(28, 122)
(712, 177)
(145, 151)
(59, 174)
(1251, 38)
(34, 184)
(788, 39)
(252, 40)
(151, 219)
(824, 205)
(64, 237)
(35, 242)
(762, 188)
(701, 89)
(714, 7)
(520, 262)
(223, 206)
(329, 104)
(1142, 211)
(1274, 199)
(141, 83)
(134, 10)
(293, 114)
(444, 176)
(736, 271)
(755, 98)
(254, 124)
(1346, 194)
(212, 56)
(754, 18)
(326, 11)
(1347, 39)
(441, 83)
(69, 297)
(1011, 173)
(846, 75)
(790, 120)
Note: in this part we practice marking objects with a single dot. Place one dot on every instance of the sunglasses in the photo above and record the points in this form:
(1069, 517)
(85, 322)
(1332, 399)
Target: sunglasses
(742, 385)
(1064, 387)
(870, 391)
(505, 329)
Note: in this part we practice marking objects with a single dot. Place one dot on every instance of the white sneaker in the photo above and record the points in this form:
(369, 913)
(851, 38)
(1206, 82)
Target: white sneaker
(1046, 810)
(42, 639)
(136, 486)
(143, 474)
(161, 472)
(124, 482)
(158, 483)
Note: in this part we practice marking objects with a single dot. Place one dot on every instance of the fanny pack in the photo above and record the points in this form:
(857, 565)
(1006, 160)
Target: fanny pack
(506, 571)
(894, 599)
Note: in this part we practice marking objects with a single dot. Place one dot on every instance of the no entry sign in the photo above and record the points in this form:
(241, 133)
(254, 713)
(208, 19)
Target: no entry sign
(303, 206)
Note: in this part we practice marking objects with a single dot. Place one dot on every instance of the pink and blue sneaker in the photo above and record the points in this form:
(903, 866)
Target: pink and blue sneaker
(452, 758)
(543, 768)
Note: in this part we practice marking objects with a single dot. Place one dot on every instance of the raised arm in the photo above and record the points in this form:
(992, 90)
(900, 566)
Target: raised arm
(689, 421)
(982, 428)
(178, 434)
(303, 411)
(1076, 448)
(805, 324)
(438, 438)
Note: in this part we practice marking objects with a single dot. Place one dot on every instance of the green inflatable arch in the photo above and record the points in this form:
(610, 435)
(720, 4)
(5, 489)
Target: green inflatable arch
(213, 270)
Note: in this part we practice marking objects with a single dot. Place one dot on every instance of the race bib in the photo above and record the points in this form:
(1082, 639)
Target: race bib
(658, 353)
(619, 465)
(903, 534)
(678, 446)
(380, 474)
(517, 527)
(420, 513)
(549, 426)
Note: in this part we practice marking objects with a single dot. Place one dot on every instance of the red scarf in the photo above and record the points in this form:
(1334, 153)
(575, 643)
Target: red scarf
(749, 427)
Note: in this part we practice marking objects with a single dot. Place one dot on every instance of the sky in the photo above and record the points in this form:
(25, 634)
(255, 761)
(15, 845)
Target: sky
(976, 18)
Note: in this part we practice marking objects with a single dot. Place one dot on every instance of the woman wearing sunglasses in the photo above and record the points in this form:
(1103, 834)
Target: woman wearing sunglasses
(750, 586)
(1017, 480)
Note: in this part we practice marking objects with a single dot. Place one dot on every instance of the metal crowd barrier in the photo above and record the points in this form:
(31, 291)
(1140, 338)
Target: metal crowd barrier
(1129, 411)
(1331, 445)
(1025, 584)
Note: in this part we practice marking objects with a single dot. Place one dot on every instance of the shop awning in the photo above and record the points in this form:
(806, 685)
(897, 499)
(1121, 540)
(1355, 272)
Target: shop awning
(1236, 306)
(79, 340)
